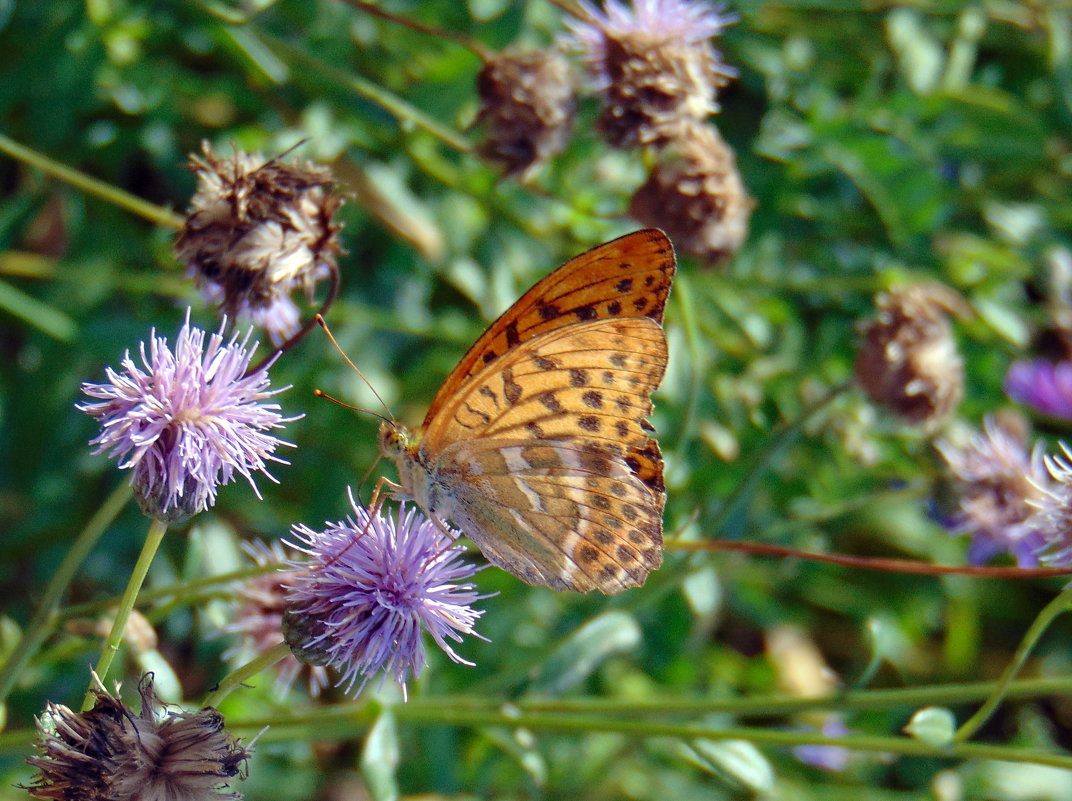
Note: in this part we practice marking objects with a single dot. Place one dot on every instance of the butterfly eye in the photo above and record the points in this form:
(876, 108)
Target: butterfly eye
(392, 440)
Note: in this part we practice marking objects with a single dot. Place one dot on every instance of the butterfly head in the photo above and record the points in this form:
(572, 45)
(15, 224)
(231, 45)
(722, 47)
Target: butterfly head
(394, 439)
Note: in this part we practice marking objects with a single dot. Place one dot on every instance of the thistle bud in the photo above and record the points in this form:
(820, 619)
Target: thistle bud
(257, 230)
(527, 107)
(696, 195)
(908, 361)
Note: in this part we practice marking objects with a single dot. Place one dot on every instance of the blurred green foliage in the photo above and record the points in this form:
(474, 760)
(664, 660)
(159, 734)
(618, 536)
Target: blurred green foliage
(883, 143)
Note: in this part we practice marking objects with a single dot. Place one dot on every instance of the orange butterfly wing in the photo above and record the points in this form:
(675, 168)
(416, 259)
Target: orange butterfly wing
(537, 445)
(626, 277)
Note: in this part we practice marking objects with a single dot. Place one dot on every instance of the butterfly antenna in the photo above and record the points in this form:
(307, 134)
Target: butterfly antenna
(323, 324)
(321, 394)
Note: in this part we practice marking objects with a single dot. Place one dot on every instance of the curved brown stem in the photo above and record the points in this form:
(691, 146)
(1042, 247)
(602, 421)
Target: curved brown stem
(872, 563)
(468, 43)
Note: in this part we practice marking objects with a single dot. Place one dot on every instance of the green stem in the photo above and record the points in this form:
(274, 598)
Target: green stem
(91, 186)
(438, 33)
(155, 536)
(45, 618)
(339, 721)
(235, 679)
(1051, 612)
(188, 588)
(405, 113)
(764, 706)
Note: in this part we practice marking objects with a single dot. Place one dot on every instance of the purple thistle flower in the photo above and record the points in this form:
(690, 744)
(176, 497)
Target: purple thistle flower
(999, 484)
(687, 22)
(653, 66)
(373, 584)
(188, 422)
(1043, 385)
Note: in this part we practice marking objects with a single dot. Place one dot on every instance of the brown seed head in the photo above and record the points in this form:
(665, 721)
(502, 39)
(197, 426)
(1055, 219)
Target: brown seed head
(695, 194)
(111, 754)
(258, 229)
(908, 361)
(527, 107)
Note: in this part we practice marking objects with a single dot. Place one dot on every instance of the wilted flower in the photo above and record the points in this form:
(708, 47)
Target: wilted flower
(908, 361)
(188, 422)
(527, 106)
(372, 586)
(262, 602)
(112, 754)
(695, 194)
(257, 230)
(652, 65)
(1045, 386)
(998, 482)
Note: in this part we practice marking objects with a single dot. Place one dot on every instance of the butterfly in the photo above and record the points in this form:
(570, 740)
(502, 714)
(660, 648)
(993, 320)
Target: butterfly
(537, 446)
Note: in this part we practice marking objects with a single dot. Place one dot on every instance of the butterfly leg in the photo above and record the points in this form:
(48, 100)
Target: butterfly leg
(377, 494)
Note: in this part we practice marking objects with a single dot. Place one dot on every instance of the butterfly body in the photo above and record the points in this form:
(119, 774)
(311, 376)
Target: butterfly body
(538, 447)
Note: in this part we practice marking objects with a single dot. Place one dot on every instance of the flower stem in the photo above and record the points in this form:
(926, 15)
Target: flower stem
(44, 620)
(236, 678)
(339, 720)
(1051, 612)
(408, 115)
(157, 529)
(439, 33)
(91, 186)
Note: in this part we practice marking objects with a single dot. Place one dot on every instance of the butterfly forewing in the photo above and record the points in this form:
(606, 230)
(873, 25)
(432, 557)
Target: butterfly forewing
(626, 277)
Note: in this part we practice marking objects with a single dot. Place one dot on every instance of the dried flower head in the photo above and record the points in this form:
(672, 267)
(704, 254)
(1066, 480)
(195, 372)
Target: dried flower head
(372, 585)
(1045, 386)
(527, 107)
(257, 230)
(653, 65)
(908, 361)
(188, 422)
(259, 622)
(112, 754)
(998, 484)
(695, 194)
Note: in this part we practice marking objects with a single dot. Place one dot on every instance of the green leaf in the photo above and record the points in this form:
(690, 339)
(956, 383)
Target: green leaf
(380, 758)
(736, 760)
(932, 725)
(581, 653)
